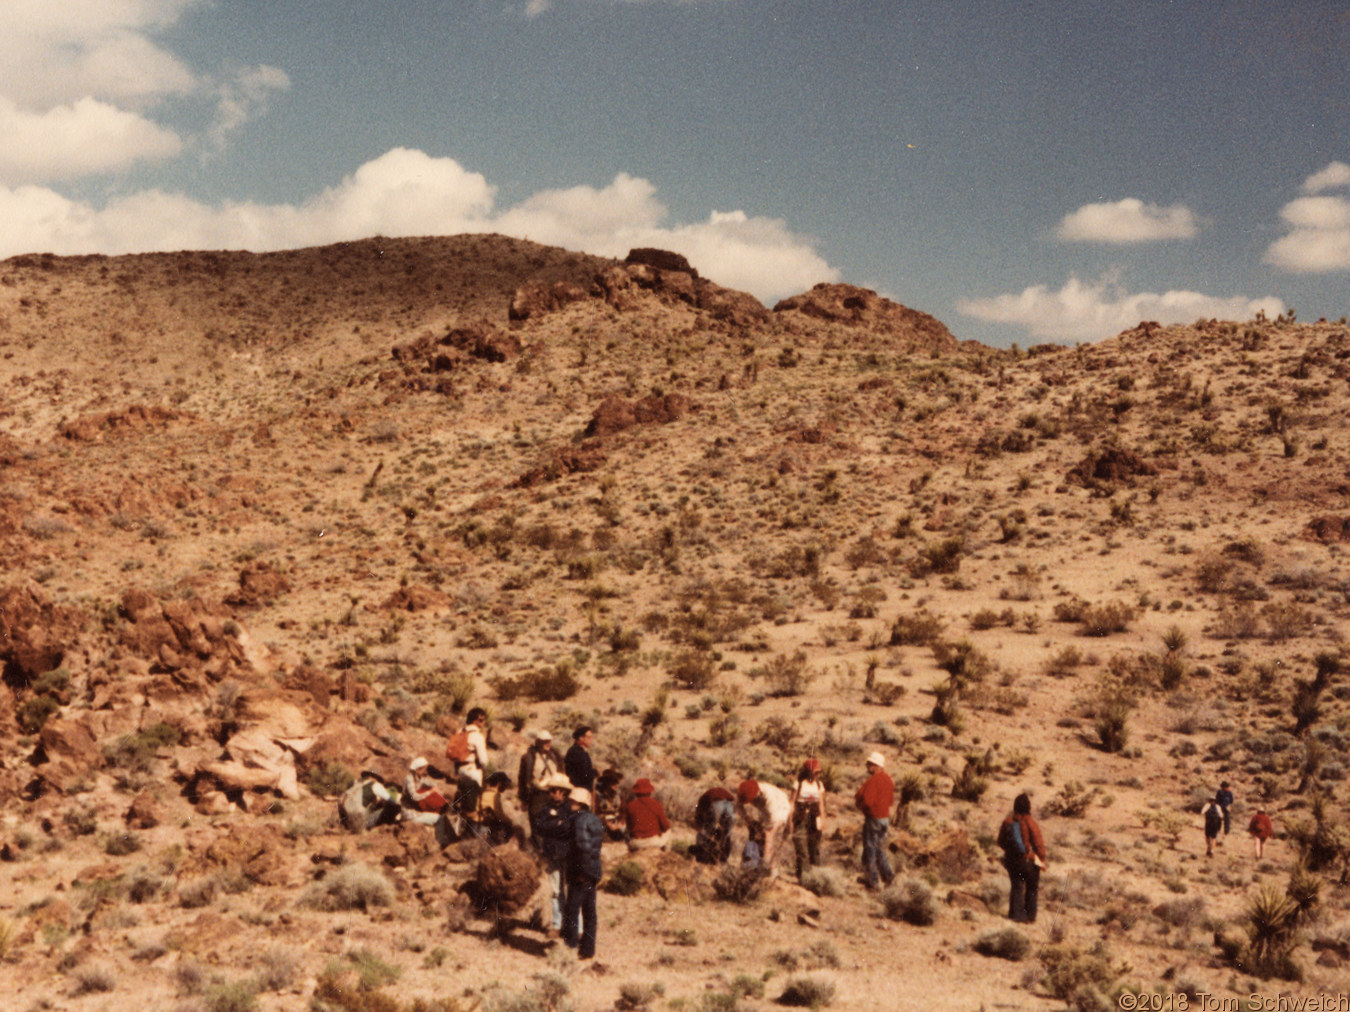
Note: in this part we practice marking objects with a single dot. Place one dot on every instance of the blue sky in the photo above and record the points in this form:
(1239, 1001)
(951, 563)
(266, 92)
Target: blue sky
(1025, 171)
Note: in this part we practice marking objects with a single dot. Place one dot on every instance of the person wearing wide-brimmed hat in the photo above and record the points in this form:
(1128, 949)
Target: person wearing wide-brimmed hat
(584, 869)
(874, 799)
(550, 829)
(645, 818)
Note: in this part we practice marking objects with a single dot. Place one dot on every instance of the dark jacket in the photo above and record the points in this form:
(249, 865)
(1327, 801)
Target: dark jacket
(552, 829)
(579, 768)
(583, 856)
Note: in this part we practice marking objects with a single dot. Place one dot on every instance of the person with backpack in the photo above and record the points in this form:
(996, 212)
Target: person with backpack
(538, 766)
(1225, 799)
(584, 869)
(468, 750)
(1213, 813)
(1023, 857)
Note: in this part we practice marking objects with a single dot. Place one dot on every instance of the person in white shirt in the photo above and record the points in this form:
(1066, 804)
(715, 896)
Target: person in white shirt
(808, 815)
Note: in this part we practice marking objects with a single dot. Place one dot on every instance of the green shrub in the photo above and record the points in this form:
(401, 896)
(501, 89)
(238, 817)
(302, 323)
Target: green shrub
(911, 901)
(738, 885)
(1005, 943)
(351, 887)
(626, 879)
(549, 684)
(34, 711)
(824, 881)
(807, 992)
(329, 778)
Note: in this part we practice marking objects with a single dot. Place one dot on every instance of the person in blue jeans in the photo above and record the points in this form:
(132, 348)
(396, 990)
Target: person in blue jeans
(874, 799)
(583, 874)
(1224, 797)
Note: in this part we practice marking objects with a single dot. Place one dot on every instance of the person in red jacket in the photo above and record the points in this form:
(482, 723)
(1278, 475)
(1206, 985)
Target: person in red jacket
(874, 799)
(645, 817)
(1261, 830)
(1023, 857)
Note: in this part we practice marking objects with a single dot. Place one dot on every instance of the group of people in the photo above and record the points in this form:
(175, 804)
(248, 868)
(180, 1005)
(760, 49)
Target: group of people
(1023, 846)
(566, 809)
(1218, 820)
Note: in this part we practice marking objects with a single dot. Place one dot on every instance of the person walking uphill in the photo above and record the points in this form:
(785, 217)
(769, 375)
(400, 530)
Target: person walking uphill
(1023, 857)
(583, 874)
(874, 799)
(1261, 830)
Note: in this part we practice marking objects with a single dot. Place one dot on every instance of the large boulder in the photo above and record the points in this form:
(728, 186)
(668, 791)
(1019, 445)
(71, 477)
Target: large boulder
(34, 633)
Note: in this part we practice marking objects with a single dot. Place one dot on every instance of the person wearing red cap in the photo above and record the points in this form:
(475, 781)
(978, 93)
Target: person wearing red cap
(874, 799)
(645, 818)
(808, 815)
(766, 812)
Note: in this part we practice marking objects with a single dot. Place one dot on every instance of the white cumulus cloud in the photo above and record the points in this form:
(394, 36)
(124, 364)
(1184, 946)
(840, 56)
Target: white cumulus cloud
(1128, 221)
(1337, 174)
(80, 80)
(1318, 240)
(1090, 311)
(406, 192)
(80, 139)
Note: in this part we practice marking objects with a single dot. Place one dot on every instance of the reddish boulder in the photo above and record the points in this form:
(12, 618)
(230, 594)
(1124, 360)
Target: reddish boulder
(34, 633)
(616, 414)
(259, 584)
(539, 297)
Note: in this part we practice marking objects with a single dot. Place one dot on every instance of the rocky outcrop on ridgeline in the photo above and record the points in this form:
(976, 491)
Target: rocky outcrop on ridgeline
(645, 273)
(863, 308)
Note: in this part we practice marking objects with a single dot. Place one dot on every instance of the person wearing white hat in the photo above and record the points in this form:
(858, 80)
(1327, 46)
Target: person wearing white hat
(874, 799)
(419, 793)
(538, 766)
(584, 870)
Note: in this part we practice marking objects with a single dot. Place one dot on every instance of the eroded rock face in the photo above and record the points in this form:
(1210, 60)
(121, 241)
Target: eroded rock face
(540, 297)
(187, 637)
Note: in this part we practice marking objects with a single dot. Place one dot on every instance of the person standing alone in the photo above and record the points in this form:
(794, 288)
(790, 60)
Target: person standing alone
(1023, 857)
(874, 799)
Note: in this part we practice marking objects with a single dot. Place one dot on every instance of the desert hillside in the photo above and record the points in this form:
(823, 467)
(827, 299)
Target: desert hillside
(269, 521)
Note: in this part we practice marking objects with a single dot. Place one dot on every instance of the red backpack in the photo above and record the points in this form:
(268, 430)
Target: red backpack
(457, 748)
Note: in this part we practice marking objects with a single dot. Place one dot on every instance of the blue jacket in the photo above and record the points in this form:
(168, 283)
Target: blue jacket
(551, 827)
(583, 857)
